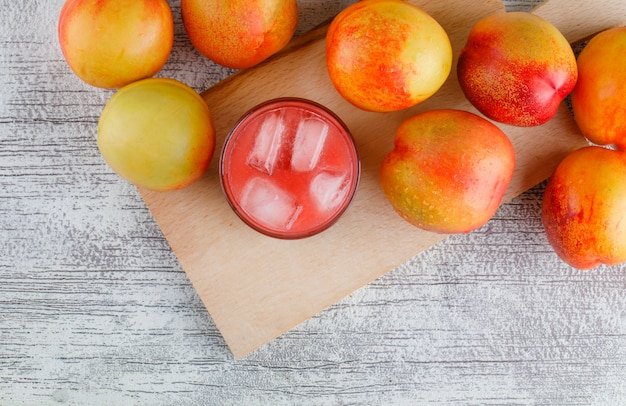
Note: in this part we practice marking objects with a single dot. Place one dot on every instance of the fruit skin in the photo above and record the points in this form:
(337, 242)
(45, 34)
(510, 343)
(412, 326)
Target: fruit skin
(584, 208)
(111, 43)
(157, 133)
(598, 99)
(239, 33)
(386, 55)
(516, 68)
(448, 170)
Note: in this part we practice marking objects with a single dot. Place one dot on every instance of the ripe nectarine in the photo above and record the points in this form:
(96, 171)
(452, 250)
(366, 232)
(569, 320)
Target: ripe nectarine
(584, 208)
(598, 100)
(157, 133)
(387, 55)
(111, 43)
(239, 33)
(448, 170)
(516, 68)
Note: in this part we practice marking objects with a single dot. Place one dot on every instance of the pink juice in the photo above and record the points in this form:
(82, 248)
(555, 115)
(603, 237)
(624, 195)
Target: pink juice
(289, 168)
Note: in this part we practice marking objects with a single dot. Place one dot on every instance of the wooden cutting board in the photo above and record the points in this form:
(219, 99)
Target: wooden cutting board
(256, 287)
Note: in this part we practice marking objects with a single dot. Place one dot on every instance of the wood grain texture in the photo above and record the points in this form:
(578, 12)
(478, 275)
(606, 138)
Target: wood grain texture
(587, 19)
(96, 310)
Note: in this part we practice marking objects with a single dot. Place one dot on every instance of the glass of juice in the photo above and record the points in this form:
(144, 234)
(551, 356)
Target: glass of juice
(289, 168)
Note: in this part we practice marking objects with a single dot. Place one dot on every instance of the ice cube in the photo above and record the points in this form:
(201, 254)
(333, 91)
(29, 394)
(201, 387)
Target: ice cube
(329, 188)
(308, 144)
(267, 143)
(269, 204)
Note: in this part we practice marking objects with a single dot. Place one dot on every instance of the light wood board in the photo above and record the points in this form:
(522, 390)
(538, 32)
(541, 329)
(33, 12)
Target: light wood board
(255, 287)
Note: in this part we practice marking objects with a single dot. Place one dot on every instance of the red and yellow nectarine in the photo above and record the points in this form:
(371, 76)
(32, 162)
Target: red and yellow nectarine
(111, 43)
(386, 55)
(599, 98)
(448, 170)
(516, 68)
(239, 33)
(584, 208)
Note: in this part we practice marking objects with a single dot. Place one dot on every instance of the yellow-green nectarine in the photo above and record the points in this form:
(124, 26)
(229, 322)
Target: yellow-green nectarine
(157, 133)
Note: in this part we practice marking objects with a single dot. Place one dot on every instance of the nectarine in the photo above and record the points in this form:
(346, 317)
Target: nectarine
(157, 133)
(599, 98)
(387, 55)
(584, 208)
(516, 68)
(111, 43)
(239, 33)
(448, 170)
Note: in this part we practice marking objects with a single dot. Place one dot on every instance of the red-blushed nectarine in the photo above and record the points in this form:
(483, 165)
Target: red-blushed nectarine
(516, 68)
(584, 208)
(599, 98)
(386, 55)
(448, 170)
(239, 33)
(111, 43)
(157, 133)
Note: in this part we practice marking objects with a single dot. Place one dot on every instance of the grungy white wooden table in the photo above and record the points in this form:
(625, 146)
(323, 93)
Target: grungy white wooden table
(96, 310)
